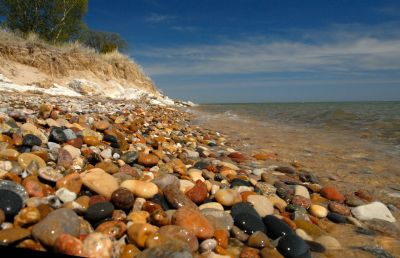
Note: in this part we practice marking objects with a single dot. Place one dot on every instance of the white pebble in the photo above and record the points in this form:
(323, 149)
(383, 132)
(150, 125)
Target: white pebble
(65, 195)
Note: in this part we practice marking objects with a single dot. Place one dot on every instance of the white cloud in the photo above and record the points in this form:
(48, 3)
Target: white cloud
(343, 49)
(158, 18)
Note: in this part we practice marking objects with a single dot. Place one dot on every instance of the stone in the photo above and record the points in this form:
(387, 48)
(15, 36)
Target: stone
(98, 245)
(91, 140)
(147, 160)
(318, 211)
(243, 206)
(329, 242)
(374, 210)
(101, 125)
(301, 191)
(56, 223)
(73, 151)
(301, 201)
(27, 216)
(130, 157)
(138, 216)
(276, 228)
(198, 193)
(332, 194)
(11, 235)
(9, 154)
(65, 195)
(219, 219)
(113, 229)
(292, 246)
(194, 221)
(258, 240)
(208, 245)
(99, 211)
(122, 198)
(228, 197)
(182, 234)
(301, 233)
(286, 170)
(239, 234)
(72, 182)
(129, 251)
(269, 252)
(25, 159)
(139, 232)
(108, 167)
(50, 174)
(339, 208)
(140, 188)
(310, 228)
(69, 245)
(177, 199)
(57, 135)
(99, 181)
(261, 204)
(2, 216)
(164, 180)
(10, 202)
(31, 140)
(222, 237)
(248, 222)
(211, 205)
(166, 250)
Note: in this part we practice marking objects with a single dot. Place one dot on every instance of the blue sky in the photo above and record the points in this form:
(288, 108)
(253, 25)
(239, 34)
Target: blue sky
(261, 51)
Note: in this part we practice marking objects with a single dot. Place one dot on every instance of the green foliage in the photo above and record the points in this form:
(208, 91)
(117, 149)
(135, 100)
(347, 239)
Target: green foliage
(102, 41)
(53, 20)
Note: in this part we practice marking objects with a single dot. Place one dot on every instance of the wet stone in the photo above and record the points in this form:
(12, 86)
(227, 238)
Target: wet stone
(57, 135)
(339, 208)
(248, 222)
(258, 240)
(31, 140)
(14, 187)
(98, 245)
(12, 235)
(99, 211)
(276, 228)
(243, 206)
(182, 234)
(130, 157)
(115, 229)
(336, 217)
(220, 219)
(292, 246)
(177, 199)
(68, 244)
(10, 202)
(166, 250)
(122, 198)
(194, 221)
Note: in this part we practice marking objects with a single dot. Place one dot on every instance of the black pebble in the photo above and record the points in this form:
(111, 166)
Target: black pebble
(243, 207)
(249, 223)
(240, 182)
(111, 139)
(200, 165)
(161, 201)
(10, 202)
(276, 228)
(31, 140)
(292, 246)
(57, 135)
(316, 247)
(286, 170)
(337, 218)
(99, 211)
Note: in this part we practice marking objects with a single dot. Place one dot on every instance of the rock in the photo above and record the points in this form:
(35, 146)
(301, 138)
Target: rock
(122, 198)
(269, 252)
(12, 235)
(178, 166)
(339, 208)
(353, 200)
(318, 211)
(332, 194)
(194, 221)
(182, 234)
(336, 217)
(374, 210)
(301, 201)
(45, 110)
(211, 205)
(310, 228)
(99, 181)
(9, 154)
(10, 202)
(108, 167)
(258, 240)
(329, 242)
(384, 227)
(25, 159)
(50, 174)
(292, 246)
(99, 211)
(14, 187)
(208, 245)
(91, 140)
(164, 180)
(301, 191)
(275, 227)
(31, 140)
(222, 237)
(57, 135)
(140, 188)
(219, 219)
(56, 223)
(101, 125)
(2, 216)
(147, 160)
(106, 154)
(98, 245)
(239, 234)
(248, 222)
(129, 251)
(228, 197)
(130, 157)
(70, 245)
(301, 233)
(286, 170)
(72, 182)
(65, 195)
(113, 229)
(139, 232)
(243, 206)
(177, 199)
(261, 204)
(73, 152)
(248, 252)
(27, 216)
(198, 193)
(166, 250)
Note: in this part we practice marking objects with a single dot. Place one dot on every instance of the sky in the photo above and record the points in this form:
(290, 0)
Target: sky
(225, 51)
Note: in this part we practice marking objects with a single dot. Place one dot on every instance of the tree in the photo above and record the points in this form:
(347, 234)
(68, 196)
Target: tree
(103, 41)
(53, 20)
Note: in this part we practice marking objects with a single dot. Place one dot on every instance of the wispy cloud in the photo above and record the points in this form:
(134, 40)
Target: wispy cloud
(158, 18)
(344, 51)
(185, 28)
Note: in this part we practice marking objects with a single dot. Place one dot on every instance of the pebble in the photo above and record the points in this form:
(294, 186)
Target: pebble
(147, 160)
(31, 140)
(69, 245)
(261, 204)
(50, 174)
(336, 217)
(339, 208)
(166, 250)
(318, 211)
(177, 199)
(12, 235)
(99, 181)
(140, 188)
(10, 202)
(65, 195)
(219, 219)
(113, 229)
(332, 194)
(182, 234)
(122, 198)
(72, 182)
(329, 242)
(98, 245)
(194, 221)
(139, 232)
(301, 191)
(292, 246)
(211, 205)
(228, 197)
(208, 245)
(56, 223)
(198, 193)
(99, 211)
(27, 216)
(25, 159)
(374, 210)
(130, 157)
(258, 240)
(248, 222)
(301, 201)
(57, 135)
(276, 228)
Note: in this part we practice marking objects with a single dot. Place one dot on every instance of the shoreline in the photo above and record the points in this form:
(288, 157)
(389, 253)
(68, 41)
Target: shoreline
(209, 168)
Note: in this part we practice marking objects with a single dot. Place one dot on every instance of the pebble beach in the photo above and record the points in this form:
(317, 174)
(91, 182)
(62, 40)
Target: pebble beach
(107, 178)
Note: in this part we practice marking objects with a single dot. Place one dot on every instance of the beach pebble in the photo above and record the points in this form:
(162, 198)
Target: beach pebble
(275, 227)
(374, 210)
(147, 160)
(248, 222)
(258, 240)
(166, 250)
(98, 245)
(31, 140)
(73, 151)
(101, 125)
(211, 205)
(57, 135)
(219, 219)
(25, 159)
(301, 233)
(239, 234)
(301, 201)
(332, 194)
(11, 235)
(177, 199)
(318, 211)
(50, 174)
(65, 195)
(139, 232)
(122, 198)
(130, 157)
(198, 193)
(292, 246)
(194, 221)
(69, 245)
(56, 223)
(182, 234)
(27, 216)
(329, 242)
(140, 188)
(10, 202)
(261, 204)
(301, 191)
(339, 208)
(228, 197)
(113, 229)
(99, 181)
(99, 211)
(208, 245)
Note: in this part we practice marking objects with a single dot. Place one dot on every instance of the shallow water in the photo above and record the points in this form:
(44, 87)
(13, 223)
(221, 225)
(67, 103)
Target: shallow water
(349, 145)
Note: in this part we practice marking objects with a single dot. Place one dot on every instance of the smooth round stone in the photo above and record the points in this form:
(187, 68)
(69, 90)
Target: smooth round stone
(310, 228)
(56, 223)
(220, 219)
(240, 182)
(374, 210)
(164, 180)
(292, 246)
(160, 200)
(70, 245)
(301, 201)
(177, 199)
(106, 154)
(239, 234)
(91, 140)
(31, 140)
(261, 204)
(27, 216)
(318, 211)
(258, 240)
(72, 182)
(10, 202)
(139, 232)
(9, 154)
(227, 197)
(101, 125)
(195, 221)
(65, 195)
(211, 205)
(114, 229)
(111, 139)
(336, 218)
(166, 250)
(99, 211)
(198, 193)
(339, 208)
(302, 191)
(208, 245)
(69, 134)
(241, 207)
(140, 188)
(182, 234)
(185, 185)
(122, 198)
(130, 251)
(147, 160)
(12, 235)
(26, 158)
(301, 233)
(99, 181)
(57, 135)
(332, 194)
(98, 245)
(73, 151)
(108, 166)
(16, 188)
(248, 222)
(329, 242)
(130, 157)
(50, 174)
(275, 227)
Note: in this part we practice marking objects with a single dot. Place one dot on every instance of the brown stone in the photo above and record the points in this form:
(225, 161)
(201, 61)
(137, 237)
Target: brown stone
(72, 182)
(222, 237)
(198, 193)
(178, 166)
(12, 235)
(101, 125)
(64, 159)
(77, 142)
(139, 232)
(68, 244)
(332, 194)
(108, 166)
(194, 221)
(249, 252)
(339, 208)
(27, 216)
(26, 158)
(91, 140)
(115, 229)
(130, 251)
(147, 160)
